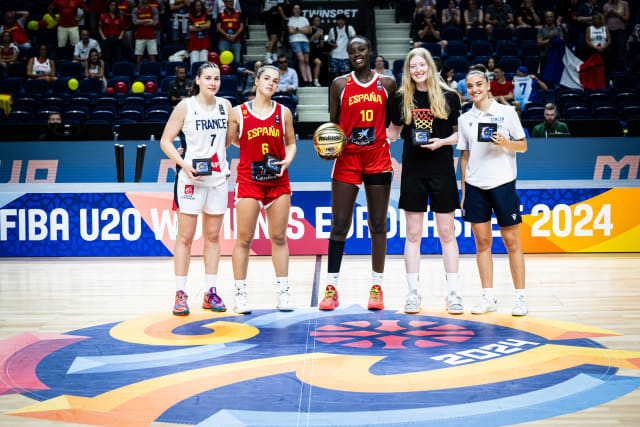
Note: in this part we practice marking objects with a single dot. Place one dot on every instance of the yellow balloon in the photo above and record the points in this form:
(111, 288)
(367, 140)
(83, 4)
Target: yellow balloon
(50, 21)
(32, 25)
(73, 84)
(226, 57)
(137, 87)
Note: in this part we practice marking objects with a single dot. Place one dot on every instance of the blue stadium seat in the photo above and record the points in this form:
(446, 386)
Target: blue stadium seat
(94, 86)
(605, 112)
(631, 112)
(36, 88)
(80, 101)
(506, 48)
(151, 69)
(71, 69)
(451, 33)
(481, 48)
(164, 86)
(17, 69)
(11, 85)
(60, 87)
(529, 48)
(134, 101)
(456, 48)
(509, 64)
(26, 103)
(43, 113)
(229, 83)
(533, 113)
(398, 66)
(107, 101)
(19, 115)
(104, 115)
(53, 102)
(123, 68)
(129, 114)
(458, 63)
(532, 63)
(527, 33)
(195, 66)
(476, 34)
(434, 49)
(74, 115)
(502, 33)
(170, 68)
(158, 115)
(577, 112)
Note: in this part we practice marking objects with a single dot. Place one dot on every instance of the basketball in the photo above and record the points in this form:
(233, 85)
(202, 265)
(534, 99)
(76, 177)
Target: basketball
(329, 140)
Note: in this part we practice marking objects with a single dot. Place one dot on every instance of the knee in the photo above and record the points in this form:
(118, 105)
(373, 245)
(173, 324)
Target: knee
(512, 245)
(278, 239)
(414, 235)
(483, 244)
(184, 238)
(446, 233)
(339, 228)
(212, 237)
(378, 225)
(244, 240)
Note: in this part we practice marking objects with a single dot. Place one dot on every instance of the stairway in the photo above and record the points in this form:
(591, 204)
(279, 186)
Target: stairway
(256, 45)
(392, 38)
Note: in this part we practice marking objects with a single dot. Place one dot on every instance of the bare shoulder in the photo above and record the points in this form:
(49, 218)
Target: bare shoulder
(339, 82)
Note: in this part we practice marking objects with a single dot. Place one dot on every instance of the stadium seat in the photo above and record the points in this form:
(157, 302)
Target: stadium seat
(170, 68)
(506, 48)
(451, 33)
(123, 68)
(631, 112)
(74, 115)
(229, 83)
(577, 112)
(456, 48)
(605, 112)
(53, 102)
(26, 103)
(158, 115)
(43, 113)
(434, 49)
(36, 88)
(129, 114)
(532, 63)
(11, 85)
(527, 33)
(194, 68)
(94, 86)
(509, 64)
(19, 115)
(398, 66)
(104, 115)
(134, 101)
(476, 34)
(481, 48)
(151, 69)
(458, 63)
(533, 113)
(71, 69)
(502, 33)
(80, 101)
(107, 101)
(164, 86)
(529, 48)
(63, 53)
(159, 101)
(624, 81)
(17, 69)
(60, 87)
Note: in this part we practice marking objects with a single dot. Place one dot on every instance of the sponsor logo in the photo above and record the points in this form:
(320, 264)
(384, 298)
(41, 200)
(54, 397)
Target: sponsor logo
(188, 189)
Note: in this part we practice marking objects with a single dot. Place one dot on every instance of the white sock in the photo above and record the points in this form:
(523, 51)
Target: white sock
(413, 280)
(376, 278)
(452, 282)
(283, 282)
(210, 282)
(241, 284)
(488, 293)
(332, 279)
(181, 283)
(520, 293)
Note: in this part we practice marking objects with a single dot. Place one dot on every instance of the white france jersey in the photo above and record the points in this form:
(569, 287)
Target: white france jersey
(489, 165)
(206, 133)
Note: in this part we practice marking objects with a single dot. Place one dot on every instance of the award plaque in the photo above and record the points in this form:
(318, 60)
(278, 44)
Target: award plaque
(269, 165)
(202, 166)
(486, 131)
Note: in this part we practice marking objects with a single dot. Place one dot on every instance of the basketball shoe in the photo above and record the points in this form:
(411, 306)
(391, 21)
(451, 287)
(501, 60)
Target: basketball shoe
(454, 303)
(180, 307)
(485, 305)
(520, 308)
(240, 302)
(212, 301)
(375, 298)
(330, 300)
(412, 303)
(284, 299)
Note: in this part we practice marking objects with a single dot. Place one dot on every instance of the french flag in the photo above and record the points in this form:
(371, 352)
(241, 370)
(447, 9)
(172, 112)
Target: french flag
(565, 68)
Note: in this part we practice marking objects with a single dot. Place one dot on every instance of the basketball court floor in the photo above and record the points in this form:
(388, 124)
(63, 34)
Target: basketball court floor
(92, 341)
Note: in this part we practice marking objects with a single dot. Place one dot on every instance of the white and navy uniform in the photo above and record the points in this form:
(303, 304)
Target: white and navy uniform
(598, 36)
(205, 135)
(491, 171)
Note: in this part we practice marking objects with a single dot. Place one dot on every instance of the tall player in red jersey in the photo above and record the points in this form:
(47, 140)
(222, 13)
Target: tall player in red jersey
(359, 103)
(263, 129)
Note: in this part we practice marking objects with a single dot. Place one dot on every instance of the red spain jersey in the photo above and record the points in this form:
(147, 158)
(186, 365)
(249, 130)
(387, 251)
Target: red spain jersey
(142, 31)
(199, 40)
(68, 10)
(111, 26)
(123, 5)
(259, 136)
(362, 112)
(17, 32)
(230, 22)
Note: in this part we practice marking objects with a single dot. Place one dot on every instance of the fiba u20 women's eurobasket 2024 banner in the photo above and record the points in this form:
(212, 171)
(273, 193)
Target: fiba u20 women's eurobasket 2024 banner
(144, 224)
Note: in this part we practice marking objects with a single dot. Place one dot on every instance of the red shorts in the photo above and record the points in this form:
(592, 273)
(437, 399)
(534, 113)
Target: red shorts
(264, 194)
(351, 166)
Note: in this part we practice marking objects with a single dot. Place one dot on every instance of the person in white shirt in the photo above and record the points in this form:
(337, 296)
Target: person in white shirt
(489, 136)
(84, 46)
(338, 39)
(299, 32)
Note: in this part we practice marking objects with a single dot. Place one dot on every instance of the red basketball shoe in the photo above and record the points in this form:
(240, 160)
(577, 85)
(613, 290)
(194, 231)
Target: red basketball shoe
(330, 300)
(375, 298)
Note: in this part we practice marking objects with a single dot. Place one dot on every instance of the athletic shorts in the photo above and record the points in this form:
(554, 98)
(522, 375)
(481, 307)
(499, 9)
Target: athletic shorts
(264, 194)
(502, 200)
(351, 166)
(151, 46)
(193, 199)
(441, 193)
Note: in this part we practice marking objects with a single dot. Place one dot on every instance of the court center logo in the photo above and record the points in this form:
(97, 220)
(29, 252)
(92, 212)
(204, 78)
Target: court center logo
(346, 367)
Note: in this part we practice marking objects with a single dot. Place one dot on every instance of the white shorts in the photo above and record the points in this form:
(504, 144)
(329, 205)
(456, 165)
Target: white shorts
(193, 199)
(151, 45)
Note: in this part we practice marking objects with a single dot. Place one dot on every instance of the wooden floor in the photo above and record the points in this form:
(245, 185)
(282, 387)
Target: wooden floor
(62, 295)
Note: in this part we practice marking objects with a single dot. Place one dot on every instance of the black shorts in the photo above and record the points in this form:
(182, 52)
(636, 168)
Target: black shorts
(273, 23)
(502, 200)
(441, 193)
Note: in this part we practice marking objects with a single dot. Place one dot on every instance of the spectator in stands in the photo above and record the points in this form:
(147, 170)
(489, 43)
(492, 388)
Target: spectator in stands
(67, 20)
(447, 75)
(179, 21)
(249, 87)
(288, 78)
(94, 10)
(566, 18)
(54, 118)
(501, 88)
(199, 39)
(16, 28)
(491, 66)
(299, 32)
(42, 66)
(633, 50)
(380, 68)
(429, 30)
(498, 14)
(230, 29)
(338, 38)
(451, 15)
(179, 88)
(273, 16)
(473, 17)
(316, 48)
(218, 6)
(587, 10)
(9, 52)
(616, 13)
(145, 19)
(546, 34)
(94, 68)
(125, 8)
(111, 29)
(598, 38)
(527, 16)
(462, 92)
(525, 88)
(84, 46)
(550, 125)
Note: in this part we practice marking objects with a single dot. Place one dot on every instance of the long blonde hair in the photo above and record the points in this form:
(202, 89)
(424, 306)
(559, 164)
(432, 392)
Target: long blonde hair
(435, 87)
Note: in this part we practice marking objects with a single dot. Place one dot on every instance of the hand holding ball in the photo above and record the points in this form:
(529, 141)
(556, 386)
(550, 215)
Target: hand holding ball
(329, 141)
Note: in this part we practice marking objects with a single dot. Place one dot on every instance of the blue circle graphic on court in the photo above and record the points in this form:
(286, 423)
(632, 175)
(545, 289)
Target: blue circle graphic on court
(350, 366)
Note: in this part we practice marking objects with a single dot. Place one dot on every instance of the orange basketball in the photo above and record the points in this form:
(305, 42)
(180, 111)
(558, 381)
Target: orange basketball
(329, 140)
